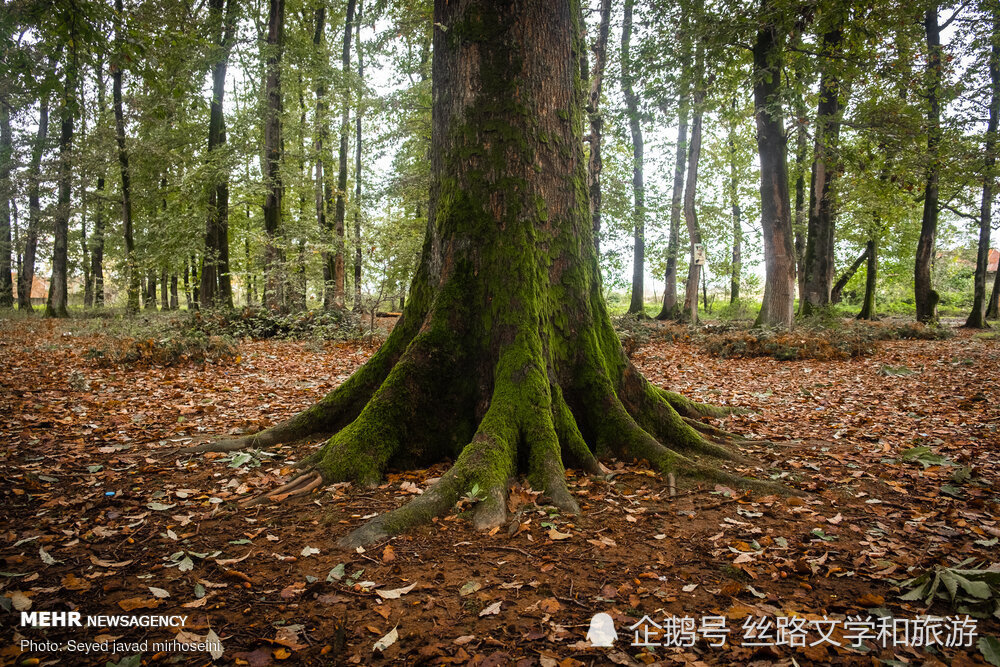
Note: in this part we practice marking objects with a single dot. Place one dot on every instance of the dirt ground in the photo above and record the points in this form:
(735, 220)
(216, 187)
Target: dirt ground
(99, 515)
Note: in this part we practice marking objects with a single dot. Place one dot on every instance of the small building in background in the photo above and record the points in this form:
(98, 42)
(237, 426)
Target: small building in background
(39, 290)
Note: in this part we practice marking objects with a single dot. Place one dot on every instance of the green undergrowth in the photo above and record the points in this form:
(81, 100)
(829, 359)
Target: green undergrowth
(820, 338)
(260, 323)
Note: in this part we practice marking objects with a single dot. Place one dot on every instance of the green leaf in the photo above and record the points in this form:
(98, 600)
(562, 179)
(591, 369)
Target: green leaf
(989, 647)
(336, 574)
(130, 661)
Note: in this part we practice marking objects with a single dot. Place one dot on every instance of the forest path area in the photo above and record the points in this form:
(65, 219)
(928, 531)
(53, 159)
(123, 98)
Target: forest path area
(99, 515)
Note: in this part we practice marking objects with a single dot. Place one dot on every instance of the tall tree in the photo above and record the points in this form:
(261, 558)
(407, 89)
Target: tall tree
(357, 171)
(324, 188)
(6, 193)
(340, 213)
(132, 276)
(977, 318)
(690, 190)
(778, 304)
(26, 277)
(670, 309)
(96, 287)
(737, 214)
(505, 355)
(216, 283)
(924, 295)
(56, 305)
(819, 261)
(596, 117)
(638, 188)
(274, 287)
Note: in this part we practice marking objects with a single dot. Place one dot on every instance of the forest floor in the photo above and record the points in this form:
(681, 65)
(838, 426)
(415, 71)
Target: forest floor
(99, 515)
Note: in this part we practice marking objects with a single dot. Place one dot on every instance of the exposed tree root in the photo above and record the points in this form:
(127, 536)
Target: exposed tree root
(299, 486)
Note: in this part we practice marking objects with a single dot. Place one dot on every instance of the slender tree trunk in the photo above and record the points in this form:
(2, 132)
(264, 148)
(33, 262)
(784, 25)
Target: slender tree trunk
(97, 248)
(274, 287)
(925, 296)
(26, 277)
(324, 189)
(149, 302)
(871, 280)
(195, 303)
(777, 308)
(132, 276)
(838, 289)
(670, 309)
(164, 290)
(357, 172)
(88, 294)
(596, 117)
(977, 318)
(188, 301)
(216, 283)
(6, 194)
(690, 191)
(636, 305)
(97, 239)
(345, 129)
(801, 150)
(56, 306)
(993, 306)
(819, 261)
(737, 263)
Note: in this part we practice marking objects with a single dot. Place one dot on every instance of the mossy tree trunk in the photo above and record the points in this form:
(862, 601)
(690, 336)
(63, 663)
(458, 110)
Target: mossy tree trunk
(504, 359)
(690, 311)
(6, 193)
(340, 212)
(274, 259)
(56, 305)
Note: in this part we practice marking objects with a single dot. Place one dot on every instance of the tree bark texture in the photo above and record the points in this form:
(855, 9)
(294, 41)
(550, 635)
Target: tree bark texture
(340, 213)
(216, 283)
(977, 317)
(924, 295)
(819, 261)
(636, 304)
(777, 308)
(274, 274)
(596, 118)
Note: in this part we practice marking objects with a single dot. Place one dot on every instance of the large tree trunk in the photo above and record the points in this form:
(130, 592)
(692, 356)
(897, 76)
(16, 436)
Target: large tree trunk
(274, 278)
(504, 357)
(636, 305)
(340, 213)
(6, 193)
(216, 283)
(594, 114)
(56, 305)
(778, 305)
(977, 318)
(925, 296)
(132, 277)
(690, 311)
(819, 261)
(26, 277)
(357, 172)
(871, 280)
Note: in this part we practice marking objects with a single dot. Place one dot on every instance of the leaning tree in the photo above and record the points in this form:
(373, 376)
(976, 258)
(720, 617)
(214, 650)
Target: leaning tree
(504, 359)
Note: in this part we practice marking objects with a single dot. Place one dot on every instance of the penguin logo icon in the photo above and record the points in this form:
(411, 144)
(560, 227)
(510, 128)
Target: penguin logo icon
(602, 630)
